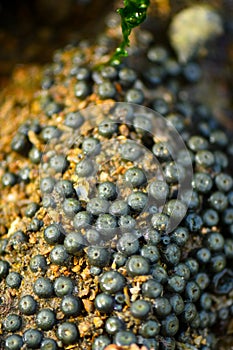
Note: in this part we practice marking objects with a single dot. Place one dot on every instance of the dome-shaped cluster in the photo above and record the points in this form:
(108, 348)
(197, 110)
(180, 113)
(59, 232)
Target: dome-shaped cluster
(127, 233)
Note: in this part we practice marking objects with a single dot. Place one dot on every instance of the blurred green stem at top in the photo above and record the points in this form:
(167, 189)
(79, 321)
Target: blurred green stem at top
(132, 15)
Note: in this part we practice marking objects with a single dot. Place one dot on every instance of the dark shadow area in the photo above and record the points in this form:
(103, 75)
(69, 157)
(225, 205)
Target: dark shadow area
(30, 31)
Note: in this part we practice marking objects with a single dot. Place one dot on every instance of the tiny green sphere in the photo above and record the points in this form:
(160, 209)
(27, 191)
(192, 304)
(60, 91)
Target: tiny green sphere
(214, 241)
(13, 342)
(159, 273)
(81, 89)
(137, 201)
(100, 342)
(135, 177)
(150, 329)
(162, 307)
(104, 303)
(150, 252)
(152, 289)
(124, 338)
(59, 255)
(119, 208)
(176, 284)
(53, 234)
(48, 344)
(74, 243)
(38, 263)
(112, 282)
(128, 244)
(97, 206)
(74, 120)
(130, 151)
(113, 325)
(9, 179)
(107, 127)
(43, 287)
(140, 309)
(98, 256)
(106, 90)
(71, 206)
(63, 286)
(71, 305)
(32, 338)
(27, 305)
(137, 265)
(68, 333)
(91, 146)
(59, 163)
(13, 280)
(170, 325)
(177, 303)
(12, 323)
(45, 319)
(107, 190)
(82, 219)
(4, 268)
(189, 313)
(84, 168)
(192, 291)
(159, 190)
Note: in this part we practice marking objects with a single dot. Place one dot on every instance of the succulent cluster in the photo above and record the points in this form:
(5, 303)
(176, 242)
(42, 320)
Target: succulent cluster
(129, 239)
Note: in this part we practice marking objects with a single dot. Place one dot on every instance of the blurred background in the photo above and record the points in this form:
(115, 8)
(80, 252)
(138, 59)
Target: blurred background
(30, 31)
